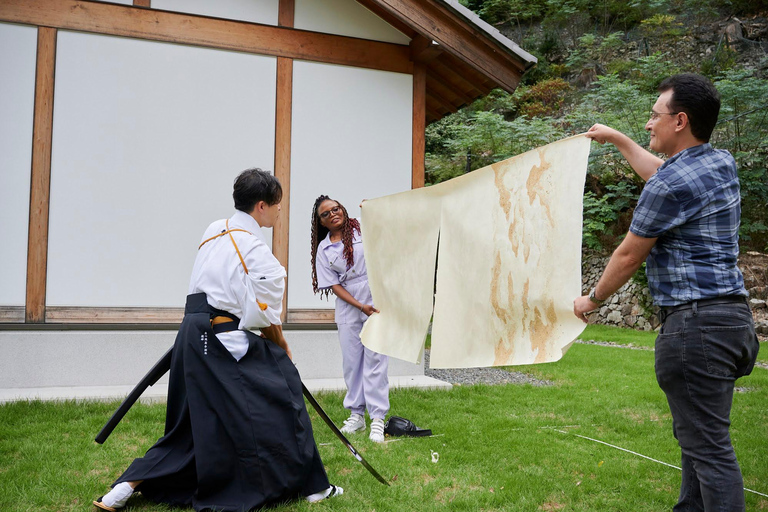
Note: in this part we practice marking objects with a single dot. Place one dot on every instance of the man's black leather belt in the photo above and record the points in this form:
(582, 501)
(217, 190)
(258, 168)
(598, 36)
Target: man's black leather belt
(665, 311)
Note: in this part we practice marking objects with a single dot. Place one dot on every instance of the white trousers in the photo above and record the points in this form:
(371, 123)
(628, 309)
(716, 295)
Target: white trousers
(365, 374)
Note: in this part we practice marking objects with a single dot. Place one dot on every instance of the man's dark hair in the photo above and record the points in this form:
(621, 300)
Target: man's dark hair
(697, 97)
(254, 185)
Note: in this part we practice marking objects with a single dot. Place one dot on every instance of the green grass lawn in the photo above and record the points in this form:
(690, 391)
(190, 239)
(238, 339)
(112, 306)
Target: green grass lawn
(627, 337)
(499, 448)
(634, 338)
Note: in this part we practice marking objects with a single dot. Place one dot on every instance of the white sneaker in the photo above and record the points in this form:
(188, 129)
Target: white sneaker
(115, 498)
(355, 423)
(377, 431)
(328, 493)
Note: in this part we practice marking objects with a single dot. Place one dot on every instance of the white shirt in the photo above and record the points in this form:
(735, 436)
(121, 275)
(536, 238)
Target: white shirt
(218, 272)
(331, 266)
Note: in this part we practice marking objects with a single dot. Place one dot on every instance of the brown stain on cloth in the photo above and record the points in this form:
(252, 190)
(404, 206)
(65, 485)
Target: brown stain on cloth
(534, 186)
(539, 325)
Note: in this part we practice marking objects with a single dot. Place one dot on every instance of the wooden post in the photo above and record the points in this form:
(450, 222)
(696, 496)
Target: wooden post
(283, 116)
(40, 190)
(419, 124)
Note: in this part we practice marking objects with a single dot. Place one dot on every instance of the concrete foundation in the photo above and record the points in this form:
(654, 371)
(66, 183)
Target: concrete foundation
(105, 365)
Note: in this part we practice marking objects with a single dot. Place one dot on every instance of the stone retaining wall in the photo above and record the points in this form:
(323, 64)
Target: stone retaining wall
(632, 306)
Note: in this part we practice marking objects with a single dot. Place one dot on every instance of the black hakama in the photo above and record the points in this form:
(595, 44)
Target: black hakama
(237, 433)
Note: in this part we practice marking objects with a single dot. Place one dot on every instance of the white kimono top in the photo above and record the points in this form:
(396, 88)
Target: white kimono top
(256, 295)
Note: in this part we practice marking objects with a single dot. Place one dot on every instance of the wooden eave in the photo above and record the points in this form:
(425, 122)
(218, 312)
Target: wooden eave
(173, 27)
(464, 57)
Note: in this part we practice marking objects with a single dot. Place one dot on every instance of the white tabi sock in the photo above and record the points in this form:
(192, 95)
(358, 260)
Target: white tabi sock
(328, 493)
(119, 494)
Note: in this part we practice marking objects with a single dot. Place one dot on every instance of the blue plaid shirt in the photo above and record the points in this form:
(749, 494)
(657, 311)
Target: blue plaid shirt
(692, 205)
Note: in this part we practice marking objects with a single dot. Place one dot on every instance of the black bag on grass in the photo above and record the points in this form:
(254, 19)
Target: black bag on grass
(397, 426)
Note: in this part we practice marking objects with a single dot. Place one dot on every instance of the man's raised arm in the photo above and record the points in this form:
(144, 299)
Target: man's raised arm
(642, 161)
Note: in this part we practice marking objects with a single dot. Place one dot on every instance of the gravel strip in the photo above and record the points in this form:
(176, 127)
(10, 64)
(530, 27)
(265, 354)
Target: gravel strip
(494, 376)
(612, 344)
(469, 376)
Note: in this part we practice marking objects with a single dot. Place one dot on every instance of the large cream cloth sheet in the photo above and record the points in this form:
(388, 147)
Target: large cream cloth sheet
(508, 262)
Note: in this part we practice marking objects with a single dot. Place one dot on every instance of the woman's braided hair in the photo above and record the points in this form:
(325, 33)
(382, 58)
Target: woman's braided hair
(319, 232)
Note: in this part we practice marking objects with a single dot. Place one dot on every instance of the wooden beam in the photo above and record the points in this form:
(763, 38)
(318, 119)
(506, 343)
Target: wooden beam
(132, 315)
(142, 3)
(40, 189)
(128, 21)
(443, 94)
(11, 314)
(424, 50)
(311, 316)
(419, 124)
(440, 90)
(141, 315)
(433, 115)
(435, 109)
(433, 20)
(453, 77)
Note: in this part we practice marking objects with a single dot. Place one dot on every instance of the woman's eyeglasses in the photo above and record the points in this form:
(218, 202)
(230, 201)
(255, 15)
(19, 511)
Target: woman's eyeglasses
(334, 210)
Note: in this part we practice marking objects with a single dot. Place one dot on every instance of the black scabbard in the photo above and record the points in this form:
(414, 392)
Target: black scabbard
(341, 436)
(158, 370)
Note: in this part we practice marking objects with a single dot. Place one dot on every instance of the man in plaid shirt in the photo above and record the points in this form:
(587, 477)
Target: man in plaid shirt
(685, 227)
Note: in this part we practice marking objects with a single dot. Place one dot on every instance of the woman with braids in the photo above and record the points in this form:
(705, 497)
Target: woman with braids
(338, 265)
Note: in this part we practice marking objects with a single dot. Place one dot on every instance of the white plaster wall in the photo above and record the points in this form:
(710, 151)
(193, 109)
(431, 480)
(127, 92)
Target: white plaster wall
(346, 18)
(351, 140)
(18, 50)
(147, 140)
(255, 11)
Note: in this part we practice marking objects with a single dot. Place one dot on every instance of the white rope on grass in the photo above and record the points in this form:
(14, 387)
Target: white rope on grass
(403, 438)
(643, 456)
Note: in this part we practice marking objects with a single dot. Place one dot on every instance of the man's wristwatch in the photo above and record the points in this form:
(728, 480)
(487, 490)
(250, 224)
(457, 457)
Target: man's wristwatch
(594, 299)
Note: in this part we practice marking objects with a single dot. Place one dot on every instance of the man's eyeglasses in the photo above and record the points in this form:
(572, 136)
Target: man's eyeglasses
(656, 115)
(334, 210)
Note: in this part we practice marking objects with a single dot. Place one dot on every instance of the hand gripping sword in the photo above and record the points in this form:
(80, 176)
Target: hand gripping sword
(164, 364)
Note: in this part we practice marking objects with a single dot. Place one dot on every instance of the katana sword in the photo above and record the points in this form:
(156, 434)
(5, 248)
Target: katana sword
(162, 366)
(341, 436)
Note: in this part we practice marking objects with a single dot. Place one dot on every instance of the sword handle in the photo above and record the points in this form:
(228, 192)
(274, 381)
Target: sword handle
(153, 375)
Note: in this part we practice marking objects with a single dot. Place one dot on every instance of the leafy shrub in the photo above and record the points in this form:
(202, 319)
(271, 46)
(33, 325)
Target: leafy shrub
(486, 136)
(602, 212)
(663, 26)
(542, 99)
(722, 61)
(576, 35)
(651, 70)
(743, 130)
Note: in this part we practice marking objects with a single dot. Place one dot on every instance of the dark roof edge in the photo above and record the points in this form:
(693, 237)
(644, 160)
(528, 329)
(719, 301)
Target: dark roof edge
(508, 45)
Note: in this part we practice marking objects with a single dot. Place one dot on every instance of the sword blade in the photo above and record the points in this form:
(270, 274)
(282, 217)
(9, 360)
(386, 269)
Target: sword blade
(341, 436)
